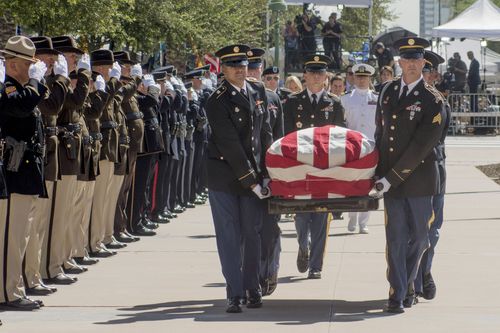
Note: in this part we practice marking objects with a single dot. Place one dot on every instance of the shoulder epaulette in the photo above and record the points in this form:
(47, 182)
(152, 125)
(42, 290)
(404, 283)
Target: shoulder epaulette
(219, 92)
(439, 97)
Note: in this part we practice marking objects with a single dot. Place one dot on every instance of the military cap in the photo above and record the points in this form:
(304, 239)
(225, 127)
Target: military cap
(363, 69)
(234, 55)
(65, 44)
(316, 62)
(205, 68)
(165, 69)
(271, 70)
(159, 76)
(194, 74)
(188, 84)
(43, 45)
(101, 57)
(432, 60)
(255, 57)
(20, 47)
(123, 58)
(411, 47)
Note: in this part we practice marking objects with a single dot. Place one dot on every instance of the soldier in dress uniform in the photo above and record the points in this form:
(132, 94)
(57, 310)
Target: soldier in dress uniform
(22, 130)
(104, 64)
(312, 107)
(270, 234)
(240, 136)
(360, 106)
(64, 227)
(424, 283)
(56, 80)
(410, 121)
(131, 79)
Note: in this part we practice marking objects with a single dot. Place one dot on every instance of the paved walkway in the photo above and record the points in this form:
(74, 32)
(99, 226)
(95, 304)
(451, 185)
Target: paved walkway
(172, 282)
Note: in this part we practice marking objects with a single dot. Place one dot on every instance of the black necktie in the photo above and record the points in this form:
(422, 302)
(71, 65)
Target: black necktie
(314, 102)
(403, 94)
(242, 91)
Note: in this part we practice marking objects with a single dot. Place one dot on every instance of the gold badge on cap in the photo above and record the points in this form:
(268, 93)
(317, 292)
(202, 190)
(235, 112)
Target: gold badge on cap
(298, 124)
(236, 49)
(250, 53)
(316, 58)
(411, 41)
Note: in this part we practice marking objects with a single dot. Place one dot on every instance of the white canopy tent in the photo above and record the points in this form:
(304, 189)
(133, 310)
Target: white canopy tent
(347, 3)
(479, 21)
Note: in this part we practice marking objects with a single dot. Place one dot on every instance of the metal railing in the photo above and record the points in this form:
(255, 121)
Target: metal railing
(474, 113)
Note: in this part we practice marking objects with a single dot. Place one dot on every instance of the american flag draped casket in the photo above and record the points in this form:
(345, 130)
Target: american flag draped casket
(322, 162)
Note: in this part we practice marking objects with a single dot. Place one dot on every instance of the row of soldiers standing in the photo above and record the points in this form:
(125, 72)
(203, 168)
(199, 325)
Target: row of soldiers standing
(95, 153)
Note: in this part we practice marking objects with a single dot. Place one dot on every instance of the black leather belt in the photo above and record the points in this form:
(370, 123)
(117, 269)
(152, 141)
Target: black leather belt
(73, 128)
(96, 136)
(109, 124)
(51, 131)
(134, 116)
(152, 121)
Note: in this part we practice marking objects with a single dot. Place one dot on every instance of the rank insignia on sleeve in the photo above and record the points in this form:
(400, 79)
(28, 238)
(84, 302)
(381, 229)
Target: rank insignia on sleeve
(10, 90)
(437, 119)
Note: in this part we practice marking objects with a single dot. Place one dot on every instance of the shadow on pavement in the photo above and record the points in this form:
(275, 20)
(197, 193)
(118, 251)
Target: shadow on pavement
(281, 311)
(283, 279)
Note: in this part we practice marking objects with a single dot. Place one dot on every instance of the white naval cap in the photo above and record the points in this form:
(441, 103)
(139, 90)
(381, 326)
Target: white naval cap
(363, 69)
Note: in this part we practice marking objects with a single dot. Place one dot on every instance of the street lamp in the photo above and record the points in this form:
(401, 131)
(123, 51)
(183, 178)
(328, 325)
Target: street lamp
(277, 6)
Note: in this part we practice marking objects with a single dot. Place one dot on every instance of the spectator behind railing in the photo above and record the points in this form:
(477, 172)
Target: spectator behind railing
(306, 25)
(293, 83)
(291, 36)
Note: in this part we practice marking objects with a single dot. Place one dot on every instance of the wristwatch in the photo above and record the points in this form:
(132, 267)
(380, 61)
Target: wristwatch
(379, 186)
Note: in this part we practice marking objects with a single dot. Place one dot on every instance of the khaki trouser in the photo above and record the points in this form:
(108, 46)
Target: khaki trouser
(37, 243)
(64, 196)
(74, 226)
(100, 204)
(84, 209)
(114, 192)
(14, 237)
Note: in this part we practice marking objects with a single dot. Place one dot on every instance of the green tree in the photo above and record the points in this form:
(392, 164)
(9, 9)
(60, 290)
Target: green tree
(355, 23)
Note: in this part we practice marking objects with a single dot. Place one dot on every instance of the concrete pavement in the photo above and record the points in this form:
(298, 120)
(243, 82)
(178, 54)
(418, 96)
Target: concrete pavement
(172, 282)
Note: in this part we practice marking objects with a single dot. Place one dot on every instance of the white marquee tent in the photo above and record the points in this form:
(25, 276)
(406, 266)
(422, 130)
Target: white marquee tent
(347, 3)
(481, 20)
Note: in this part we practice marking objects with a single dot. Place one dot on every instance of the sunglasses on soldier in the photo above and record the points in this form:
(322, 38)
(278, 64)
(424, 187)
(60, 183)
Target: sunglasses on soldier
(275, 78)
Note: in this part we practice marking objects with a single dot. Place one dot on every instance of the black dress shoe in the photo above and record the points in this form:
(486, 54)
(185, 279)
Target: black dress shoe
(37, 301)
(150, 224)
(123, 238)
(159, 218)
(190, 205)
(169, 215)
(254, 299)
(314, 274)
(54, 289)
(302, 261)
(429, 287)
(114, 244)
(135, 238)
(75, 270)
(394, 306)
(102, 253)
(233, 305)
(39, 291)
(143, 231)
(87, 261)
(61, 279)
(21, 304)
(178, 209)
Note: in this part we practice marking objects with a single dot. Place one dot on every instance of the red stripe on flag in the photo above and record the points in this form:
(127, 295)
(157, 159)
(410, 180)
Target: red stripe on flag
(369, 161)
(289, 146)
(321, 139)
(318, 187)
(277, 161)
(353, 145)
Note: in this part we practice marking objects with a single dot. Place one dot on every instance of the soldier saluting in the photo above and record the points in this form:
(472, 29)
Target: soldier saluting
(410, 120)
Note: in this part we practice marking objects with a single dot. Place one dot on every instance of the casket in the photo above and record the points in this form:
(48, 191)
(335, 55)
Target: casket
(328, 168)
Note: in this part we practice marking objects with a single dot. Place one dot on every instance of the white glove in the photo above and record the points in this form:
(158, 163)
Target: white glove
(61, 66)
(136, 70)
(148, 80)
(154, 89)
(2, 71)
(99, 83)
(194, 96)
(116, 71)
(174, 81)
(261, 193)
(168, 85)
(383, 186)
(84, 62)
(37, 70)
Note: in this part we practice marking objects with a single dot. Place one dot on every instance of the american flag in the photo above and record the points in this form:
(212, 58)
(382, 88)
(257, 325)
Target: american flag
(322, 162)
